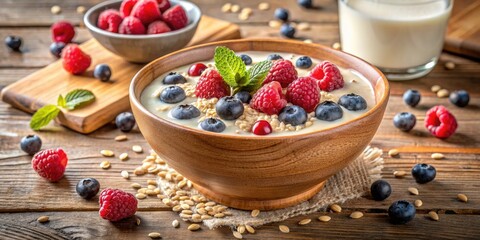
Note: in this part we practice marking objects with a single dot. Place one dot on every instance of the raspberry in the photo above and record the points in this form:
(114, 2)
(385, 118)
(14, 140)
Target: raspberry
(269, 99)
(109, 20)
(282, 71)
(116, 204)
(127, 6)
(75, 61)
(304, 92)
(163, 5)
(147, 11)
(131, 25)
(62, 31)
(158, 27)
(440, 122)
(211, 85)
(328, 76)
(50, 164)
(175, 17)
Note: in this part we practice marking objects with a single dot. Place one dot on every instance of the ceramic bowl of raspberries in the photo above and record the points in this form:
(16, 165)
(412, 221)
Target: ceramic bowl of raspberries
(142, 30)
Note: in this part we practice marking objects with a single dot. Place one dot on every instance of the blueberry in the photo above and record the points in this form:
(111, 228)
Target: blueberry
(411, 97)
(246, 59)
(353, 102)
(305, 3)
(172, 94)
(87, 188)
(13, 42)
(125, 121)
(281, 14)
(287, 30)
(185, 111)
(31, 144)
(274, 56)
(404, 121)
(380, 190)
(401, 212)
(460, 98)
(293, 115)
(243, 96)
(423, 173)
(229, 108)
(56, 49)
(304, 62)
(328, 111)
(102, 72)
(213, 125)
(174, 78)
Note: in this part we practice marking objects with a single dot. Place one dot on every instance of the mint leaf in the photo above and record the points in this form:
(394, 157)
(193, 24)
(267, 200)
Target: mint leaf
(257, 74)
(78, 97)
(61, 101)
(43, 116)
(230, 66)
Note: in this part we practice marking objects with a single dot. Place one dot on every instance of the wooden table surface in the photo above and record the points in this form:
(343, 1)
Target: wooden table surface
(24, 196)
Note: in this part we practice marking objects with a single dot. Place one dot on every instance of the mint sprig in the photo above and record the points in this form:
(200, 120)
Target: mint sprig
(73, 100)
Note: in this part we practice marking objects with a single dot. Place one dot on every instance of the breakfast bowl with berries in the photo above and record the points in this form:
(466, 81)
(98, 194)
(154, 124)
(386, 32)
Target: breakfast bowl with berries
(142, 30)
(258, 123)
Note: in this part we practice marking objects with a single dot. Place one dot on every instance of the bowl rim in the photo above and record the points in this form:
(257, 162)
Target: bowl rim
(135, 101)
(94, 28)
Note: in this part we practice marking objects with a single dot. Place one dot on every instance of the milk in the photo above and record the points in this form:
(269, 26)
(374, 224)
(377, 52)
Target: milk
(399, 35)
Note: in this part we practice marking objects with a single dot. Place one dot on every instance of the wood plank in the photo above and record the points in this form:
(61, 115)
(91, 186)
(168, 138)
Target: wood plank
(463, 33)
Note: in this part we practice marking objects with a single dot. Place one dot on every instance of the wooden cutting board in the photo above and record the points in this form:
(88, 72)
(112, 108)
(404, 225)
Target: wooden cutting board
(44, 86)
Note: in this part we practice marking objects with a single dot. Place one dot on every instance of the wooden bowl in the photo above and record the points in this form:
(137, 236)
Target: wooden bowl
(258, 172)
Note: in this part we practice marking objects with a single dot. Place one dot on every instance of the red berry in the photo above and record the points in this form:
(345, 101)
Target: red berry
(147, 11)
(269, 99)
(74, 60)
(158, 27)
(196, 69)
(262, 127)
(328, 76)
(304, 92)
(131, 25)
(175, 17)
(163, 5)
(282, 71)
(126, 7)
(116, 204)
(62, 31)
(109, 20)
(211, 85)
(440, 122)
(50, 164)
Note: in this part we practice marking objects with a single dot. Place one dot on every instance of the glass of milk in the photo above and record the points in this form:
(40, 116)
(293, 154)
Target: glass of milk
(403, 38)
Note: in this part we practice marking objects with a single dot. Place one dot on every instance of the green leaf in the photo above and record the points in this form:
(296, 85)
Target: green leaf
(78, 97)
(43, 116)
(230, 66)
(61, 101)
(257, 74)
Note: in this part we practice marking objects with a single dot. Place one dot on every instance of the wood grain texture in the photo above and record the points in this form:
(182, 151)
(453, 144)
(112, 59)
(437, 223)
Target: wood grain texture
(463, 33)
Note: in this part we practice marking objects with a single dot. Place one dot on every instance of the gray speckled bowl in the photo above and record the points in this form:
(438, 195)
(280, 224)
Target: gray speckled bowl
(142, 48)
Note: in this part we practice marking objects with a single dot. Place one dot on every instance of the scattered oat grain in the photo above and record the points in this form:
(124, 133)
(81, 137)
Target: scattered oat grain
(136, 185)
(140, 196)
(263, 6)
(139, 171)
(274, 24)
(418, 203)
(324, 218)
(336, 46)
(124, 174)
(243, 16)
(193, 227)
(443, 93)
(235, 8)
(175, 223)
(43, 219)
(255, 212)
(226, 7)
(237, 235)
(433, 215)
(55, 9)
(107, 153)
(450, 65)
(81, 9)
(356, 215)
(250, 229)
(399, 174)
(137, 148)
(336, 208)
(303, 26)
(154, 235)
(437, 156)
(138, 221)
(462, 197)
(284, 228)
(123, 156)
(105, 164)
(308, 41)
(120, 138)
(304, 221)
(413, 190)
(435, 88)
(393, 152)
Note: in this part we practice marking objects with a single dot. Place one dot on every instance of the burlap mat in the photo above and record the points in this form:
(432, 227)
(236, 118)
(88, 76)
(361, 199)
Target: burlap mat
(350, 183)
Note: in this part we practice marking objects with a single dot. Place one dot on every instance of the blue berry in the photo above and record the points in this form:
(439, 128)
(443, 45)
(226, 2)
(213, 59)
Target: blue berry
(380, 190)
(31, 144)
(411, 97)
(293, 115)
(125, 121)
(102, 72)
(305, 3)
(274, 56)
(328, 111)
(243, 96)
(172, 94)
(460, 98)
(87, 188)
(13, 42)
(404, 121)
(56, 49)
(353, 102)
(287, 30)
(281, 14)
(229, 108)
(304, 62)
(174, 78)
(423, 173)
(246, 59)
(185, 111)
(213, 125)
(401, 212)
